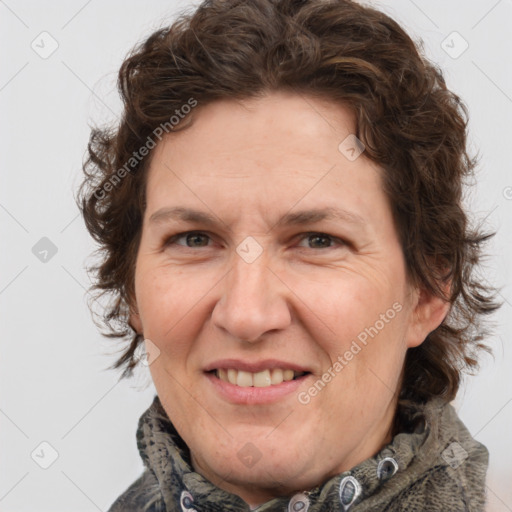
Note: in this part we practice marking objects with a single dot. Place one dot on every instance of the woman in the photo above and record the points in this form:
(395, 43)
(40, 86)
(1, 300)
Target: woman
(281, 219)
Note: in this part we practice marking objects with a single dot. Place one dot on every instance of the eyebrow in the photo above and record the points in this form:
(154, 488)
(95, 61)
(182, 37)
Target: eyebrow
(291, 218)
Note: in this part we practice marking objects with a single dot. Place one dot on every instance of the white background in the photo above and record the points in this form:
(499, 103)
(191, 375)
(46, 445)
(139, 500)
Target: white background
(53, 377)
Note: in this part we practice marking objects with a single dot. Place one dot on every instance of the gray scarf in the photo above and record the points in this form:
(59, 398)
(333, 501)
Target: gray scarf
(435, 465)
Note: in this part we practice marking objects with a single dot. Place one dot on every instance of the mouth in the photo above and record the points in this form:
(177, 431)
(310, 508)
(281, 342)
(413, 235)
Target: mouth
(255, 382)
(261, 379)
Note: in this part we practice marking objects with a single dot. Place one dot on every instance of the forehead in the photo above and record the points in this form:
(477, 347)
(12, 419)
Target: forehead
(266, 153)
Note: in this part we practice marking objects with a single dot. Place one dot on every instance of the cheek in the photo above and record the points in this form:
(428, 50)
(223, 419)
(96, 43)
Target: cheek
(346, 303)
(357, 316)
(168, 301)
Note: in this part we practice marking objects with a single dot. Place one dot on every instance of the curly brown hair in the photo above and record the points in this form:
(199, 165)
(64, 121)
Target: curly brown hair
(409, 122)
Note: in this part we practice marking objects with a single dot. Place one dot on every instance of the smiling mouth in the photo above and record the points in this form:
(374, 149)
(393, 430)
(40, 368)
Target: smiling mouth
(265, 378)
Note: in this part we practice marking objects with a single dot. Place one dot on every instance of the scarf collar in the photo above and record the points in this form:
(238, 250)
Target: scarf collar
(396, 467)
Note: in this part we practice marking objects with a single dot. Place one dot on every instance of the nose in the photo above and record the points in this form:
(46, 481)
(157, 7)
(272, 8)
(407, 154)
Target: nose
(253, 301)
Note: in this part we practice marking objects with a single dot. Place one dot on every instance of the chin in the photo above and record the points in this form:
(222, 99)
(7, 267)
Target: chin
(276, 466)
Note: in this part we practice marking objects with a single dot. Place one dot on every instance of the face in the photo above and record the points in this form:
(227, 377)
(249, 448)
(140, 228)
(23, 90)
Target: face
(271, 278)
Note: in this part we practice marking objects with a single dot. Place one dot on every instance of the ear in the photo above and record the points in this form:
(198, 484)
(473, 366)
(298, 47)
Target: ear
(428, 313)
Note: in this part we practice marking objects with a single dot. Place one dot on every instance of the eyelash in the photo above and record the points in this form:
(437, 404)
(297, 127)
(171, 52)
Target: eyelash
(172, 239)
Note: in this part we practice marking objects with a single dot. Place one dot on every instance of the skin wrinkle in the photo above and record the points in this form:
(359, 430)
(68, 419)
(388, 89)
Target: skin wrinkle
(286, 317)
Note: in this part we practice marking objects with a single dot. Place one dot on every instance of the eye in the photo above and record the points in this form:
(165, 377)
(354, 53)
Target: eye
(191, 239)
(321, 240)
(198, 239)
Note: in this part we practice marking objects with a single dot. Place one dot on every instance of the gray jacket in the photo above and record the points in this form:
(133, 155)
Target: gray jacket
(435, 466)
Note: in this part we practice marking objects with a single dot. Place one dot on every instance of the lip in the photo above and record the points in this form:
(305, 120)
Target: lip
(253, 395)
(255, 366)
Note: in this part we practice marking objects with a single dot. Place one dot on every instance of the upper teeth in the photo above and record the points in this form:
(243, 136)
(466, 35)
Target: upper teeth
(259, 379)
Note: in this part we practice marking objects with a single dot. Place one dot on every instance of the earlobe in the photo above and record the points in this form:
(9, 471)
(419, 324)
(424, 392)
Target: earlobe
(428, 314)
